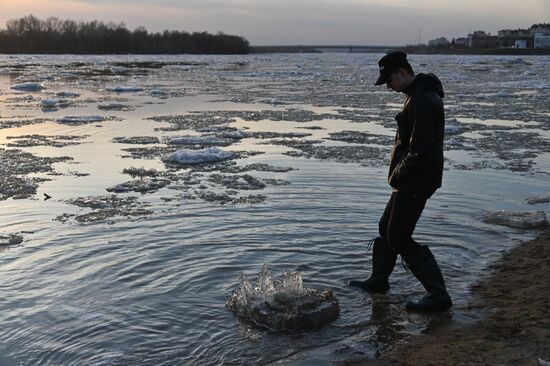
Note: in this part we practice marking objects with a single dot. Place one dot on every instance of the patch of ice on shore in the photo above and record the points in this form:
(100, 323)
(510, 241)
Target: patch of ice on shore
(516, 219)
(29, 86)
(191, 157)
(80, 119)
(125, 88)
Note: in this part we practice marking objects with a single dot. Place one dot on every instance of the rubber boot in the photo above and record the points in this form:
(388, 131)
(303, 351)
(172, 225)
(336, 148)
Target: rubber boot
(383, 262)
(424, 267)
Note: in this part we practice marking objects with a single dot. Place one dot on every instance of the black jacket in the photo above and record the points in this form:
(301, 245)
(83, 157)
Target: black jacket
(417, 156)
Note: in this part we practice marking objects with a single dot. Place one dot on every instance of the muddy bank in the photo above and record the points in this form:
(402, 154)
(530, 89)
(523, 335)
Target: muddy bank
(516, 295)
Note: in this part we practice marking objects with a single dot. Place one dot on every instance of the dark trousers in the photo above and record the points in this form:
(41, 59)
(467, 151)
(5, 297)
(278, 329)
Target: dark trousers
(399, 220)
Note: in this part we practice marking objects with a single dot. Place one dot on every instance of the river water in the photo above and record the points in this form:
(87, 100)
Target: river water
(140, 278)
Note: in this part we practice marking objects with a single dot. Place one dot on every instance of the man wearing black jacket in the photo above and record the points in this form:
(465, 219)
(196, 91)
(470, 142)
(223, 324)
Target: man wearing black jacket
(415, 173)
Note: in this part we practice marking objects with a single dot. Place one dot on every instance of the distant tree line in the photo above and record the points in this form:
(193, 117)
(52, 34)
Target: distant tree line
(53, 35)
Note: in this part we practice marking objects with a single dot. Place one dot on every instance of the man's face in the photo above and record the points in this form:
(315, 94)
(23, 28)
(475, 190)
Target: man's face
(397, 81)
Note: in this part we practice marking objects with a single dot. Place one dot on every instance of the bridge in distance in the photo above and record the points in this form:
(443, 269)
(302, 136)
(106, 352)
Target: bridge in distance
(321, 49)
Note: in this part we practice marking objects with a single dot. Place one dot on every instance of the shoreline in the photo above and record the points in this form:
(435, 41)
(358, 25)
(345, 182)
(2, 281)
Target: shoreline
(516, 293)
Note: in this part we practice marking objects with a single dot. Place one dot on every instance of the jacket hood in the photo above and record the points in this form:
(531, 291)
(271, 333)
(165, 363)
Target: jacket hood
(426, 82)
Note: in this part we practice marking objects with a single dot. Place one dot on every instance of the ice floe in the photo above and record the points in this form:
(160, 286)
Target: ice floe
(125, 89)
(200, 140)
(516, 219)
(106, 207)
(49, 102)
(44, 140)
(282, 304)
(539, 199)
(67, 94)
(240, 182)
(451, 129)
(139, 140)
(113, 106)
(10, 239)
(191, 157)
(28, 86)
(141, 172)
(83, 119)
(16, 165)
(140, 185)
(19, 122)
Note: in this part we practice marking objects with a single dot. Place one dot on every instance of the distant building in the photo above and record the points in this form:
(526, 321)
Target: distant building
(463, 41)
(508, 37)
(438, 42)
(542, 39)
(520, 43)
(480, 39)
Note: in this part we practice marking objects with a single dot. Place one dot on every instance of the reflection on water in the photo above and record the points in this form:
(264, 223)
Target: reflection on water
(151, 289)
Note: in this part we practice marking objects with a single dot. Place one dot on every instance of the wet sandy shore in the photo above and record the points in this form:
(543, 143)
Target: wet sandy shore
(516, 295)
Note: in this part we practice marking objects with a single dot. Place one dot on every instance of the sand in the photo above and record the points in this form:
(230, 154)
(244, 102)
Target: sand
(516, 296)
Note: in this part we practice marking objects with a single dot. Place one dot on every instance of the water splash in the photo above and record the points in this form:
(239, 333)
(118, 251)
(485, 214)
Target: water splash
(282, 304)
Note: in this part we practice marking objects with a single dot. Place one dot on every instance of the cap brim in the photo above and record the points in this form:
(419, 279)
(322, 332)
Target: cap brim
(381, 80)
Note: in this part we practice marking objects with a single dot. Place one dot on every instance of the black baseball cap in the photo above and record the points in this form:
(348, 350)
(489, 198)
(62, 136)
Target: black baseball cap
(389, 64)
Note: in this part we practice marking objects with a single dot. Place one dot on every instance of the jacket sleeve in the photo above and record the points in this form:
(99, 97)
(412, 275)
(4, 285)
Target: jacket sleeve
(421, 141)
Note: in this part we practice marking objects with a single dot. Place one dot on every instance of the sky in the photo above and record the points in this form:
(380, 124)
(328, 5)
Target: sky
(300, 22)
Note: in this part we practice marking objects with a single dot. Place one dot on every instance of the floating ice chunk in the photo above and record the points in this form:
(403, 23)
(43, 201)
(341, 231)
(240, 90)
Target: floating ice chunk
(236, 135)
(10, 239)
(49, 102)
(504, 94)
(67, 94)
(516, 219)
(160, 93)
(190, 157)
(197, 140)
(28, 86)
(119, 69)
(282, 304)
(80, 119)
(535, 200)
(140, 185)
(113, 106)
(451, 129)
(272, 101)
(527, 73)
(125, 89)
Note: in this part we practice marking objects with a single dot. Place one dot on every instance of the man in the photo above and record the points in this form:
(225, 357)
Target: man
(415, 173)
